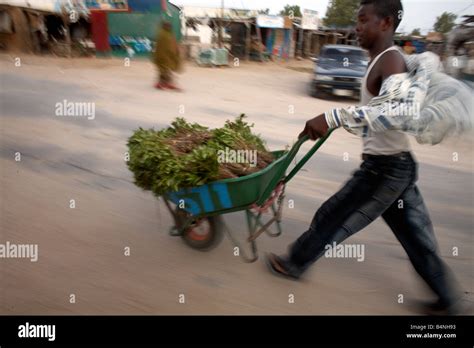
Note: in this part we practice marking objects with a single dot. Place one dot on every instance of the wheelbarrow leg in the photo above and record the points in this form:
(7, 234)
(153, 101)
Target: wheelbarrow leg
(253, 245)
(179, 226)
(277, 213)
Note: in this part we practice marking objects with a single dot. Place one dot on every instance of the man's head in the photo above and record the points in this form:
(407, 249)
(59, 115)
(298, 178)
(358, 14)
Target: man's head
(377, 20)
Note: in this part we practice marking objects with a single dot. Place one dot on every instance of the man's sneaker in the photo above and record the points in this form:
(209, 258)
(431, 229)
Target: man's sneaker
(281, 267)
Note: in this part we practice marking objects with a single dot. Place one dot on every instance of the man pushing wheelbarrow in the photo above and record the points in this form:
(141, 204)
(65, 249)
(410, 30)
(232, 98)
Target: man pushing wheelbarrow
(400, 94)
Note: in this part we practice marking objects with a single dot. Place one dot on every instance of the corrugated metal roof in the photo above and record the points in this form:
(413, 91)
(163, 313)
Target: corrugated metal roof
(54, 6)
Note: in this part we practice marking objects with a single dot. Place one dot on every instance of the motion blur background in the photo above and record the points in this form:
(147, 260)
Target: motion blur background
(247, 57)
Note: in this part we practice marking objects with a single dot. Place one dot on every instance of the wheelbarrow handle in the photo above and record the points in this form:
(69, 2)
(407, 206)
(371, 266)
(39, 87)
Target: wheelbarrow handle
(294, 150)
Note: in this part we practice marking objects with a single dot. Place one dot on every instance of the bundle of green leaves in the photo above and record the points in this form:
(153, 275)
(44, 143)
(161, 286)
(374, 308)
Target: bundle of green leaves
(186, 154)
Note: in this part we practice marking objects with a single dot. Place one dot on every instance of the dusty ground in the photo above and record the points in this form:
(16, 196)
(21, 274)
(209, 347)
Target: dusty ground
(81, 250)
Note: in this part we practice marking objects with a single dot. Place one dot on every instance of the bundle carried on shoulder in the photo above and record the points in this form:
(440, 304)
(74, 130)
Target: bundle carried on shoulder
(188, 154)
(423, 102)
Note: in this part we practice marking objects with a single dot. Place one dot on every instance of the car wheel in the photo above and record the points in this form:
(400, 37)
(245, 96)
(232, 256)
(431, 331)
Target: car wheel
(314, 92)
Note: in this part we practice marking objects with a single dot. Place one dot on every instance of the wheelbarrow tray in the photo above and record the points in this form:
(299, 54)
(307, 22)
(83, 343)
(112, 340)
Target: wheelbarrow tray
(229, 195)
(254, 193)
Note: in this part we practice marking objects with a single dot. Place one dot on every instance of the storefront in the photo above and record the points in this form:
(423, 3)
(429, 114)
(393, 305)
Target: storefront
(275, 33)
(129, 28)
(49, 26)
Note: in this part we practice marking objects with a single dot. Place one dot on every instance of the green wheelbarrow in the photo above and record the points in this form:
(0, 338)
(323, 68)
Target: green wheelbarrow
(197, 211)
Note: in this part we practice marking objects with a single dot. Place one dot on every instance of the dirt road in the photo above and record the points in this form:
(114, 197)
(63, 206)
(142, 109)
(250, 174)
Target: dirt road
(82, 249)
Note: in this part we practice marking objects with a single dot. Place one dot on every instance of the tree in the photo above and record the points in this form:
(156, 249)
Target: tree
(445, 23)
(341, 13)
(266, 11)
(289, 10)
(416, 32)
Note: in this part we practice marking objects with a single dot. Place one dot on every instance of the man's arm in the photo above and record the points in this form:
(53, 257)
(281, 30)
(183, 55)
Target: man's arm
(397, 105)
(395, 108)
(391, 63)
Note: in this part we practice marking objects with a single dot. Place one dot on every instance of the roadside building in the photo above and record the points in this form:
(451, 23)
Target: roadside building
(56, 26)
(311, 35)
(129, 28)
(460, 50)
(208, 28)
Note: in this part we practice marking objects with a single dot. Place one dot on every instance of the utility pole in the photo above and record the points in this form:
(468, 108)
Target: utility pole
(219, 27)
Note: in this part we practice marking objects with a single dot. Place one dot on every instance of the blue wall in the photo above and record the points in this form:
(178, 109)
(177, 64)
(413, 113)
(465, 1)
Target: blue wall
(144, 5)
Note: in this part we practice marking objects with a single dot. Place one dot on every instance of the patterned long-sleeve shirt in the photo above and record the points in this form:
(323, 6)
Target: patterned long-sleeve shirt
(423, 102)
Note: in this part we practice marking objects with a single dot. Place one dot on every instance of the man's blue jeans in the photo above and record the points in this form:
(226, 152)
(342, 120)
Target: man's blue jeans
(383, 186)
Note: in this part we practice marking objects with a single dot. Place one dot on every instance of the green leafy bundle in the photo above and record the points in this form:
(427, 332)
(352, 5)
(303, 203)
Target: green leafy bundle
(186, 154)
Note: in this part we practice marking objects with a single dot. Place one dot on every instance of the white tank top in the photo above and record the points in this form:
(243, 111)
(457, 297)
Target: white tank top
(382, 143)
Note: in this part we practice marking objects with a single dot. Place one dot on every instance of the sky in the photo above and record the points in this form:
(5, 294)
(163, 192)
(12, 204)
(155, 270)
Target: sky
(418, 13)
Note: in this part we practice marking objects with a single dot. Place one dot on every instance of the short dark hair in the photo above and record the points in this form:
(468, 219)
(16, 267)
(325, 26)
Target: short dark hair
(387, 8)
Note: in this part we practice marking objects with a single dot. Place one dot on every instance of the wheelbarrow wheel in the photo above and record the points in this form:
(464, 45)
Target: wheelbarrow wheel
(202, 234)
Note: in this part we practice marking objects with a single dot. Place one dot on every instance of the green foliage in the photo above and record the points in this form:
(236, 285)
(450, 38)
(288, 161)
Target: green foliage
(186, 154)
(291, 10)
(341, 13)
(445, 23)
(416, 32)
(242, 128)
